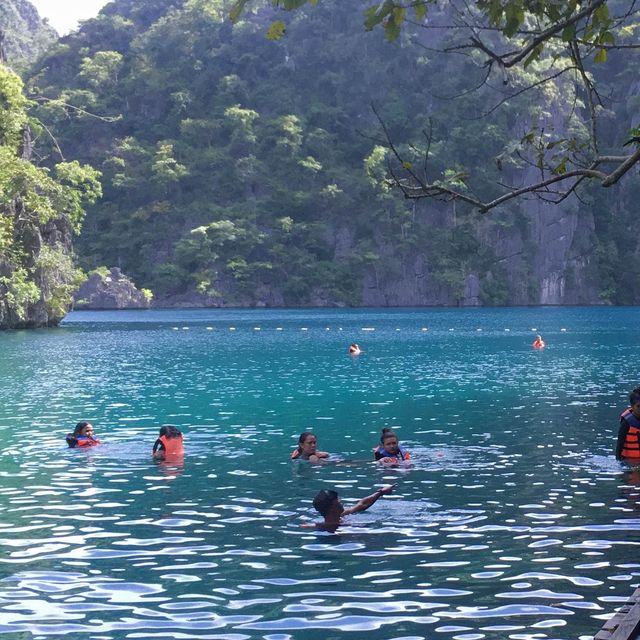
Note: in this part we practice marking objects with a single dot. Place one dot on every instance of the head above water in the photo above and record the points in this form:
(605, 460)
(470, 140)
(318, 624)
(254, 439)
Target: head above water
(389, 440)
(325, 501)
(83, 428)
(169, 431)
(307, 442)
(634, 397)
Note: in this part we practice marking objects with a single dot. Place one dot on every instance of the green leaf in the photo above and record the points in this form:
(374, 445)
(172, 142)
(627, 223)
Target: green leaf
(377, 14)
(601, 14)
(534, 55)
(494, 12)
(515, 17)
(420, 11)
(236, 10)
(407, 165)
(601, 56)
(606, 38)
(569, 33)
(276, 30)
(561, 167)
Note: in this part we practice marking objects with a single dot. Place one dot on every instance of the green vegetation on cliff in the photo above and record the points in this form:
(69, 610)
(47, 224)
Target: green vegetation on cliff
(39, 211)
(243, 171)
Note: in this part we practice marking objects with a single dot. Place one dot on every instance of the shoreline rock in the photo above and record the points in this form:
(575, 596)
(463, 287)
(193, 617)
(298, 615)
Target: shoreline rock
(113, 290)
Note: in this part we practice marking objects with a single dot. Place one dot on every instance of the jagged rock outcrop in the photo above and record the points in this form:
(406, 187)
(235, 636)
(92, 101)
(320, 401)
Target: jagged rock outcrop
(112, 290)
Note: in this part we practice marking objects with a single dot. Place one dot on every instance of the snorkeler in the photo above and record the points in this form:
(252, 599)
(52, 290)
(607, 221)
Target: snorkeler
(328, 504)
(389, 450)
(307, 448)
(82, 436)
(169, 443)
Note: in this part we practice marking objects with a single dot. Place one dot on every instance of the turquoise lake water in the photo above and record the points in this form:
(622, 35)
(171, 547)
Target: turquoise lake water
(515, 521)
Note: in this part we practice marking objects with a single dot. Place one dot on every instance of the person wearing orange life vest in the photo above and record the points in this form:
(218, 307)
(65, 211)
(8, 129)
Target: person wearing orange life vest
(538, 343)
(169, 442)
(628, 446)
(389, 451)
(82, 436)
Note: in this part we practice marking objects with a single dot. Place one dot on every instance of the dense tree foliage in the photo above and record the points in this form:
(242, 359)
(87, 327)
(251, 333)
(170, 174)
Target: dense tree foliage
(506, 37)
(39, 209)
(235, 166)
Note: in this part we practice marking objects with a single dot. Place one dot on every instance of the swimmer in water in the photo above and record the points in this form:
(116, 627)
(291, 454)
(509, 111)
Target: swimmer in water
(389, 450)
(354, 349)
(330, 507)
(82, 436)
(628, 445)
(308, 448)
(169, 442)
(538, 343)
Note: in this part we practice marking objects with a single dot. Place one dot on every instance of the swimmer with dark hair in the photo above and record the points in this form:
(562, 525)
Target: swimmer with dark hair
(389, 450)
(354, 349)
(330, 507)
(308, 448)
(82, 436)
(169, 442)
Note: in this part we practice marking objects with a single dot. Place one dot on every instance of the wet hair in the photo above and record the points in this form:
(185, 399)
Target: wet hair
(387, 433)
(634, 396)
(170, 431)
(323, 501)
(77, 431)
(303, 436)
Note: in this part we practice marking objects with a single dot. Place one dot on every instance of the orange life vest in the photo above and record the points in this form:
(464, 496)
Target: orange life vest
(380, 452)
(172, 446)
(81, 442)
(631, 446)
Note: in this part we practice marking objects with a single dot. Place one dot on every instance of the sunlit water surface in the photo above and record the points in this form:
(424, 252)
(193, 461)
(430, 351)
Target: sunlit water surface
(515, 521)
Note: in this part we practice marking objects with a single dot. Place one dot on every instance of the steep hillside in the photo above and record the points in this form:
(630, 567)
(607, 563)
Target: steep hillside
(239, 171)
(26, 35)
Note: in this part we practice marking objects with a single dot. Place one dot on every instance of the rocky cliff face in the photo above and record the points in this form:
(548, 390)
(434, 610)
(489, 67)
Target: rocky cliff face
(542, 255)
(112, 290)
(26, 34)
(539, 254)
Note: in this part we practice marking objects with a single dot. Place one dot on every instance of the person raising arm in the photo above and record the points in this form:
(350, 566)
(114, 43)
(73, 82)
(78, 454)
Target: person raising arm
(330, 507)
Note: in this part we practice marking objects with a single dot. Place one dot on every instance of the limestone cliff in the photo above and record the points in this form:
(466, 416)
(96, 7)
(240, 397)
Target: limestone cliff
(111, 290)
